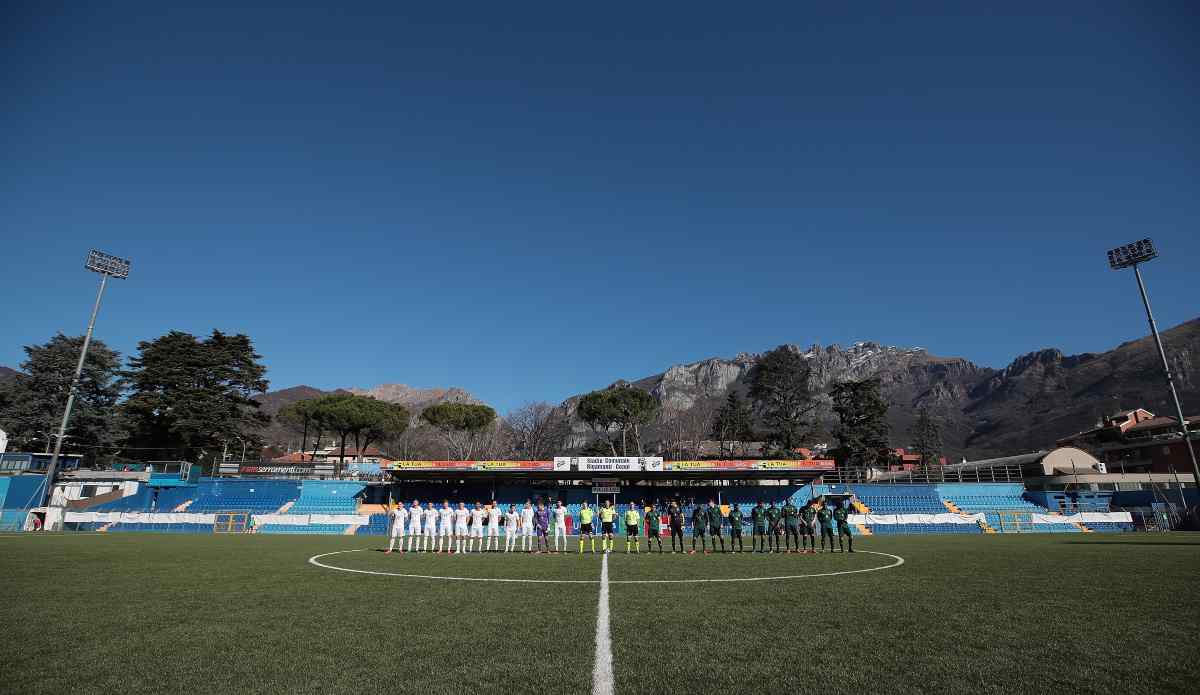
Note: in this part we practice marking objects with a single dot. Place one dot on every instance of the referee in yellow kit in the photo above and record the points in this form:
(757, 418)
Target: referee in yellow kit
(608, 518)
(585, 527)
(633, 520)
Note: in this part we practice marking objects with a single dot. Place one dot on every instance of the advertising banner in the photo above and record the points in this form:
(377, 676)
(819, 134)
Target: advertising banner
(607, 464)
(451, 466)
(782, 466)
(287, 469)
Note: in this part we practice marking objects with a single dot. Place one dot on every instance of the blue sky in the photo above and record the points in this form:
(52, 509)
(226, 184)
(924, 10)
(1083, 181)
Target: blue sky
(532, 201)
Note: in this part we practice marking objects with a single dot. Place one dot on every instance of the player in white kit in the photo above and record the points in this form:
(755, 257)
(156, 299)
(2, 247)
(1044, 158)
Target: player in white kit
(526, 525)
(431, 517)
(416, 515)
(399, 517)
(461, 515)
(477, 515)
(493, 529)
(512, 520)
(446, 527)
(558, 519)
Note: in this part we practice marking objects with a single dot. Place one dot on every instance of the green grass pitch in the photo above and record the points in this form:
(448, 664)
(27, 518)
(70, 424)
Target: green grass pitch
(239, 614)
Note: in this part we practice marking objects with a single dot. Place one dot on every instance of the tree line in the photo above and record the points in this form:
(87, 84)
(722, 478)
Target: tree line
(180, 397)
(189, 398)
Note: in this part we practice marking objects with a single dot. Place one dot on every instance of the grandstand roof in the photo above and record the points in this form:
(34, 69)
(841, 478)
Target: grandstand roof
(1063, 460)
(798, 470)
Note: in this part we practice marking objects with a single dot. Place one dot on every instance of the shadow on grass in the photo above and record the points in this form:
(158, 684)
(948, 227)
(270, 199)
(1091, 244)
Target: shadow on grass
(1195, 543)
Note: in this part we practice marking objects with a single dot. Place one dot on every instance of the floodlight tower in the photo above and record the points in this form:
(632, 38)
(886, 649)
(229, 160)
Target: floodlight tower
(1131, 256)
(107, 266)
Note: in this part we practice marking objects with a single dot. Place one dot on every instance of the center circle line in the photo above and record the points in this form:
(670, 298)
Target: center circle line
(315, 560)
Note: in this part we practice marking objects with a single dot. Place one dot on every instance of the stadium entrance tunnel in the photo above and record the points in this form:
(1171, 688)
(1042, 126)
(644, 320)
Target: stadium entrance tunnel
(572, 568)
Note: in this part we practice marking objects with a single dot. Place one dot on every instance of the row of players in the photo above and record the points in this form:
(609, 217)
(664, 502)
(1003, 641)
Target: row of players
(466, 530)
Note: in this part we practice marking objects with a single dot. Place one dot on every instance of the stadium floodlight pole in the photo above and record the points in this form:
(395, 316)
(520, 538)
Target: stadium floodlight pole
(107, 266)
(1132, 255)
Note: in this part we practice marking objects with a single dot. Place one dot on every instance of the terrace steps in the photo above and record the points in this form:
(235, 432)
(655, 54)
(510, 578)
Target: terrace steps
(953, 509)
(183, 507)
(286, 506)
(1082, 527)
(862, 509)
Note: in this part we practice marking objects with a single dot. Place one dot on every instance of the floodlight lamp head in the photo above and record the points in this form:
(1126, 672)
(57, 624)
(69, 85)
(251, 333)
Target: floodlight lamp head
(1131, 254)
(105, 264)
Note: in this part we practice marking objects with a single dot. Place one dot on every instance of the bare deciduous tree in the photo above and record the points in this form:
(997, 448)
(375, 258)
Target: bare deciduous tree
(538, 431)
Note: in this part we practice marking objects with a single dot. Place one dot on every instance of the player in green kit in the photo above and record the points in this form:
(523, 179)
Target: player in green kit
(735, 528)
(808, 537)
(675, 520)
(654, 529)
(758, 516)
(699, 526)
(773, 530)
(714, 525)
(825, 519)
(841, 515)
(791, 527)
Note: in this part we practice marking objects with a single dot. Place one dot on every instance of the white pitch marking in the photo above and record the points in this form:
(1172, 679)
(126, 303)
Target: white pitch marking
(40, 534)
(315, 560)
(898, 561)
(602, 672)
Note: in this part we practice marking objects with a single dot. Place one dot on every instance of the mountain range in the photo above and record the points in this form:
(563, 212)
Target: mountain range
(1040, 397)
(415, 399)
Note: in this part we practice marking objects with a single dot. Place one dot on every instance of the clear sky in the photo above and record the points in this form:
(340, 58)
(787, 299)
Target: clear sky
(532, 201)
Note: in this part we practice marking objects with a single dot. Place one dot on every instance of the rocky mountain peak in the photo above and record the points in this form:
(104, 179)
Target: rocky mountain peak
(412, 397)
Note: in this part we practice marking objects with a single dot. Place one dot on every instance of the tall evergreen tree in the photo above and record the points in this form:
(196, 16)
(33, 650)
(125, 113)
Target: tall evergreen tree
(862, 430)
(733, 422)
(927, 438)
(780, 392)
(190, 396)
(33, 401)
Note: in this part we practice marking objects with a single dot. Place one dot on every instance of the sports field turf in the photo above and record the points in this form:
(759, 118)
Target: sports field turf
(232, 614)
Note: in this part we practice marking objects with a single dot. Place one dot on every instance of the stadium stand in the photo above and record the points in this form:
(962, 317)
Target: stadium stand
(322, 497)
(1005, 506)
(254, 496)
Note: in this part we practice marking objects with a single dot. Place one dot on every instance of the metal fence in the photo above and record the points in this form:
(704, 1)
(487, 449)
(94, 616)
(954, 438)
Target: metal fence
(927, 476)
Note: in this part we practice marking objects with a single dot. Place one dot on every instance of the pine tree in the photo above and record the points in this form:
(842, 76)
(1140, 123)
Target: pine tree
(862, 430)
(927, 438)
(780, 391)
(733, 422)
(34, 400)
(189, 396)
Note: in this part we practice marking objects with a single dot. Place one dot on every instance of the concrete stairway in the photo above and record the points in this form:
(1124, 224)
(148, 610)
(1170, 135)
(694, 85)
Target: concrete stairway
(862, 509)
(953, 508)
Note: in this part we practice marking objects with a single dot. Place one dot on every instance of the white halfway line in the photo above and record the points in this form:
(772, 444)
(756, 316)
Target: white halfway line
(602, 672)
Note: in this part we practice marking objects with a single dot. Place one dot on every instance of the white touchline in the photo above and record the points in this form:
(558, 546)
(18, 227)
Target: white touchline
(602, 673)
